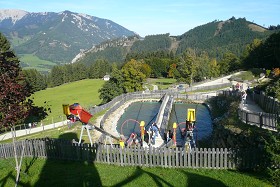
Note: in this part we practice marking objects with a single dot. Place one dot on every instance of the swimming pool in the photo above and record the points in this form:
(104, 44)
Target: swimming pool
(148, 111)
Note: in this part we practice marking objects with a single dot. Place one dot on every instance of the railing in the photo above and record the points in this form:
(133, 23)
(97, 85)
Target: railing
(151, 95)
(214, 158)
(148, 95)
(269, 104)
(260, 119)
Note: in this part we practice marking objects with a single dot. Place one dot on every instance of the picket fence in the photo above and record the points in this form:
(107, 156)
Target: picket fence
(214, 158)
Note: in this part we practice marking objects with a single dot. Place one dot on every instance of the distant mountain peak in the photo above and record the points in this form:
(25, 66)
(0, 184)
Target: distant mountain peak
(57, 37)
(13, 14)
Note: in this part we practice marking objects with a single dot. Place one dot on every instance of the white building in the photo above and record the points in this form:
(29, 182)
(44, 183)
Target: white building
(106, 77)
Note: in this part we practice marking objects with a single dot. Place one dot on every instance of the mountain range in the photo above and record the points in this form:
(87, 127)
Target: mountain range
(73, 37)
(57, 37)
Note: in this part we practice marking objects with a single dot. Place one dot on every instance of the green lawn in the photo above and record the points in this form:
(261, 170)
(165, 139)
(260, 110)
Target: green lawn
(33, 62)
(84, 92)
(162, 83)
(47, 172)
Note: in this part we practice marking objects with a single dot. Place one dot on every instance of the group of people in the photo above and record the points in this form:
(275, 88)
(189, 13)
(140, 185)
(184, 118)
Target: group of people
(149, 136)
(239, 87)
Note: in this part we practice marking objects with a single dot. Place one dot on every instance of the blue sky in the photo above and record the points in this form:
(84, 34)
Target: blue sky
(148, 17)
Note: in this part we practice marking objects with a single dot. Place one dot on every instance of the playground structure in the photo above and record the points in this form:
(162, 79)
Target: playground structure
(148, 136)
(187, 132)
(75, 113)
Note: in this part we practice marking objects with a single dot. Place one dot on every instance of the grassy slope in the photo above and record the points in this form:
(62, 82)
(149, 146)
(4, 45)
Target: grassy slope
(84, 92)
(36, 63)
(40, 172)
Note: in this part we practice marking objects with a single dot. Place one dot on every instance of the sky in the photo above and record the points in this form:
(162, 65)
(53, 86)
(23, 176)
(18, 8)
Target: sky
(150, 17)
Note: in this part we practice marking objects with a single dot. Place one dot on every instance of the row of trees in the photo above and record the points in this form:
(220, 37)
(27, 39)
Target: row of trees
(187, 68)
(65, 74)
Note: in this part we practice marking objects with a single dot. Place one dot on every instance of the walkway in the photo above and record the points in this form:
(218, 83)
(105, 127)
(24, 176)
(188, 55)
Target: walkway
(250, 106)
(33, 130)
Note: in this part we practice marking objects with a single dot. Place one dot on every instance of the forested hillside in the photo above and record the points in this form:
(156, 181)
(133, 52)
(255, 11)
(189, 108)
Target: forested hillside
(160, 42)
(215, 39)
(218, 37)
(117, 50)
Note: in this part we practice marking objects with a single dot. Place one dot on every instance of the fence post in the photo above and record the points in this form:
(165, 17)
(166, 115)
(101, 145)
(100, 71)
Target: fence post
(246, 115)
(261, 119)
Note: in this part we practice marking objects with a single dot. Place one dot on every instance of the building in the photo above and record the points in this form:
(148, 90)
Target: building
(106, 77)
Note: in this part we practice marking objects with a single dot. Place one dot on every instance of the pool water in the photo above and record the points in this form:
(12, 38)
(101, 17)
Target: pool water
(147, 112)
(203, 124)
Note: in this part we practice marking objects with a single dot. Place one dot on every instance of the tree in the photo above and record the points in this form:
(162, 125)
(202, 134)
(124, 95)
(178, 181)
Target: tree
(172, 71)
(214, 68)
(113, 87)
(202, 67)
(146, 69)
(14, 105)
(99, 69)
(250, 57)
(57, 76)
(229, 63)
(133, 77)
(186, 65)
(36, 80)
(272, 155)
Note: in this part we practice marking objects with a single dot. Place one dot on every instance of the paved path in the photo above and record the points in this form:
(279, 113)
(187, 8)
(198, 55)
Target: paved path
(250, 106)
(33, 130)
(221, 80)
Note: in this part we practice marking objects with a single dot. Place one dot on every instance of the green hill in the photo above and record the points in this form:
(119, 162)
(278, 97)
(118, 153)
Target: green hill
(215, 38)
(84, 92)
(219, 37)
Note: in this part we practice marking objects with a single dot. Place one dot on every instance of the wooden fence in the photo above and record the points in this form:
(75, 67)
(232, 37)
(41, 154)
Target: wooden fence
(214, 158)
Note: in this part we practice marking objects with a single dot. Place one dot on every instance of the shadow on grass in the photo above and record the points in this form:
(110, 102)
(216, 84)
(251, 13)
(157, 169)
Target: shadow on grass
(138, 173)
(200, 180)
(68, 173)
(192, 179)
(4, 181)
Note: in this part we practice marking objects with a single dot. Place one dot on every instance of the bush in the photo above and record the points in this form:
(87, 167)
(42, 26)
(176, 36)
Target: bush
(273, 88)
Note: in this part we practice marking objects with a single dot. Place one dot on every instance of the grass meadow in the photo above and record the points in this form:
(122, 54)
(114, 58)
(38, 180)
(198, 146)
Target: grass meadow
(84, 92)
(32, 61)
(47, 172)
(162, 83)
